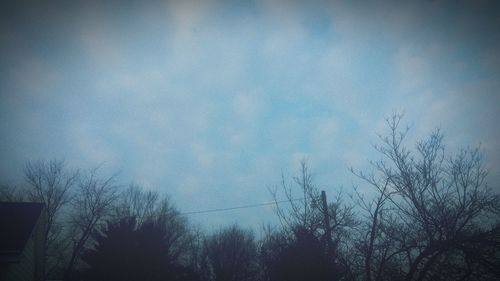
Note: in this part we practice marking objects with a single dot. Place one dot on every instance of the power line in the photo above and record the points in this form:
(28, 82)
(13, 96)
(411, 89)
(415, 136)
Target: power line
(240, 207)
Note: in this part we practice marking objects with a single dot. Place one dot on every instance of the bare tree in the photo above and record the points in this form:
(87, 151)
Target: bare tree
(9, 193)
(147, 205)
(306, 221)
(51, 183)
(430, 210)
(178, 235)
(304, 210)
(230, 255)
(194, 250)
(137, 202)
(372, 244)
(91, 204)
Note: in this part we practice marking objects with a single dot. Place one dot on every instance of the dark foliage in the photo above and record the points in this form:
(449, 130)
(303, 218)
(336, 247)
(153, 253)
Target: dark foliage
(302, 258)
(230, 255)
(125, 251)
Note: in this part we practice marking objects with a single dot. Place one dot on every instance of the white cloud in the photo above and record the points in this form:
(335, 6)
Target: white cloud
(413, 70)
(325, 135)
(205, 156)
(93, 150)
(192, 101)
(249, 106)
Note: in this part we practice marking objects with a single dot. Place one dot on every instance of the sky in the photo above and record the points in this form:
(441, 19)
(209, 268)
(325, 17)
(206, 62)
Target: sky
(212, 101)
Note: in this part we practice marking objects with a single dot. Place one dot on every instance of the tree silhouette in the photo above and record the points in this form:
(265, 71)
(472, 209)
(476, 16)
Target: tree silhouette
(308, 244)
(433, 216)
(91, 205)
(149, 205)
(304, 257)
(52, 183)
(429, 215)
(125, 251)
(230, 255)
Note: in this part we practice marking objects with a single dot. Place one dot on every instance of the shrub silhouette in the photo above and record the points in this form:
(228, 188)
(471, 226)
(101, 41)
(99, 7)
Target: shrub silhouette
(125, 251)
(230, 255)
(302, 258)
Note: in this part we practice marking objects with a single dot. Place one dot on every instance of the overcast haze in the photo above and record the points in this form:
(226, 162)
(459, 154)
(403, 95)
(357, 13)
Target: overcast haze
(209, 101)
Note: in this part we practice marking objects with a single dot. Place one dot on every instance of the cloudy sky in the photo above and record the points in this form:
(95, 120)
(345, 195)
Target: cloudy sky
(210, 101)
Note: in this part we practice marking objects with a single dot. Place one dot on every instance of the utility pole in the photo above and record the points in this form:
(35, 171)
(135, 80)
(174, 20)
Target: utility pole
(328, 234)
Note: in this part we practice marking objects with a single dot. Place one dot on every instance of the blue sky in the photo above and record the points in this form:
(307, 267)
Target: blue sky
(209, 101)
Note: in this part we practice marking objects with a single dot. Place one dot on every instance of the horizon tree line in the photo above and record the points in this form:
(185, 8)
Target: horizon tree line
(430, 215)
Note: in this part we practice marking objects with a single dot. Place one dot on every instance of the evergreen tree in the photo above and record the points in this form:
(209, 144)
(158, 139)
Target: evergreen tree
(126, 251)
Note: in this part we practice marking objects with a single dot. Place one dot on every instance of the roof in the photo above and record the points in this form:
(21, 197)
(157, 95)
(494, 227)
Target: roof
(17, 221)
